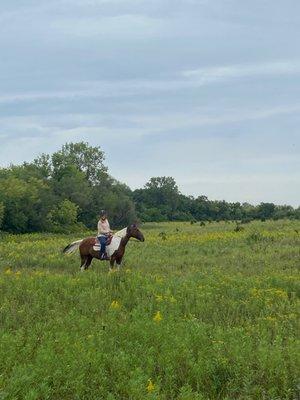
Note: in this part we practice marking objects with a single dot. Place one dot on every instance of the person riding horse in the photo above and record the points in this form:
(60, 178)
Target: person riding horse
(104, 233)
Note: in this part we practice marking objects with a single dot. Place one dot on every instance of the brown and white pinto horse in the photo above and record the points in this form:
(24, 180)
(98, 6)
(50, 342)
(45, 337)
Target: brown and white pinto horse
(115, 250)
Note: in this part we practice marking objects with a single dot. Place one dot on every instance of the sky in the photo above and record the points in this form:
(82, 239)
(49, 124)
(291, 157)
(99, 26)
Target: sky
(206, 91)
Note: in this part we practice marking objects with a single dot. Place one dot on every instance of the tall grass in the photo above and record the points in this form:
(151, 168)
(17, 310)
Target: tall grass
(197, 312)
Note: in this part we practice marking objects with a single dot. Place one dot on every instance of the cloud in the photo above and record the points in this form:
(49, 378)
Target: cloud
(126, 25)
(190, 79)
(205, 91)
(238, 71)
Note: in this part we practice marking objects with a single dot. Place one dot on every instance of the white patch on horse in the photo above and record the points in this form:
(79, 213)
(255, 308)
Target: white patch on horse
(115, 243)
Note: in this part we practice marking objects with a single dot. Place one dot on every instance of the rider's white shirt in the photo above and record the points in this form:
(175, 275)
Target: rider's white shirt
(103, 227)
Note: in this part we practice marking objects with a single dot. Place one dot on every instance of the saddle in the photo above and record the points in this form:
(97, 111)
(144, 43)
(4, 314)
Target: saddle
(108, 240)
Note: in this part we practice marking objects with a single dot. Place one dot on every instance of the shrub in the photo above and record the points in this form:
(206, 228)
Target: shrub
(255, 237)
(63, 217)
(239, 228)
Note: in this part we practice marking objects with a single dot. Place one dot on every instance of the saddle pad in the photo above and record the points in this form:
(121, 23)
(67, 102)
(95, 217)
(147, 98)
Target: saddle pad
(111, 248)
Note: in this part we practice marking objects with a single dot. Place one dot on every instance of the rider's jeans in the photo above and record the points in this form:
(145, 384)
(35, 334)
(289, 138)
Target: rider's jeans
(102, 240)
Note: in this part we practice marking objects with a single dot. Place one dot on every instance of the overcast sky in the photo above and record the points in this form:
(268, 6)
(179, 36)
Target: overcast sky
(206, 91)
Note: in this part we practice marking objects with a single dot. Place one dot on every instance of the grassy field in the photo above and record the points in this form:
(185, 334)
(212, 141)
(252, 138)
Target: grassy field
(197, 312)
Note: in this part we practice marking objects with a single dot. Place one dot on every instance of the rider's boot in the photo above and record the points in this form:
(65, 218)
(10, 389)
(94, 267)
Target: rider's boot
(104, 256)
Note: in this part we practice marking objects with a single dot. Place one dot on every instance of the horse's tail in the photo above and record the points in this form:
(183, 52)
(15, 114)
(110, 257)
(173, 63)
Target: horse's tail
(72, 247)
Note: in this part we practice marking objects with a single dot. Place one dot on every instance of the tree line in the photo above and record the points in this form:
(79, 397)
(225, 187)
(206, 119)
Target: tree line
(66, 190)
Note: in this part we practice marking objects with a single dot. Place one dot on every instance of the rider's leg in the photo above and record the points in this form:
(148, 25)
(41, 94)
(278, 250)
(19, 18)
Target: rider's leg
(99, 238)
(102, 246)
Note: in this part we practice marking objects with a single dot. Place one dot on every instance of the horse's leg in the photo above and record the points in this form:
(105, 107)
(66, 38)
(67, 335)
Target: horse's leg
(112, 262)
(119, 262)
(88, 261)
(83, 262)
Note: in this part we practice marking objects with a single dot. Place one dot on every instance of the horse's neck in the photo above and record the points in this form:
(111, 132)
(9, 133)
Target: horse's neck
(122, 233)
(124, 236)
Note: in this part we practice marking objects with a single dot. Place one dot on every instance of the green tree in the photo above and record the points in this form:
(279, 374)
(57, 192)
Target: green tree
(85, 158)
(266, 210)
(73, 185)
(161, 193)
(63, 217)
(284, 211)
(24, 211)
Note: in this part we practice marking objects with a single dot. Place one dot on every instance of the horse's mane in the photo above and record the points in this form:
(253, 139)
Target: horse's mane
(121, 233)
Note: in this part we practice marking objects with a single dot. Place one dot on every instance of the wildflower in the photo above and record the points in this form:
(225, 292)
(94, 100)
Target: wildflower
(280, 293)
(150, 386)
(270, 319)
(157, 317)
(8, 271)
(115, 305)
(38, 273)
(223, 360)
(255, 292)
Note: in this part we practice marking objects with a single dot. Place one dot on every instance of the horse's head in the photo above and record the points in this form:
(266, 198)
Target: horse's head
(133, 231)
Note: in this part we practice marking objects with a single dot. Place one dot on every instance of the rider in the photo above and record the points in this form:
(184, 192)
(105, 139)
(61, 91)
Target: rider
(103, 233)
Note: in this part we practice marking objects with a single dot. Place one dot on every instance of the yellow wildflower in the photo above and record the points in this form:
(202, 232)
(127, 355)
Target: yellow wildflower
(8, 271)
(279, 292)
(254, 292)
(150, 386)
(157, 317)
(115, 305)
(271, 319)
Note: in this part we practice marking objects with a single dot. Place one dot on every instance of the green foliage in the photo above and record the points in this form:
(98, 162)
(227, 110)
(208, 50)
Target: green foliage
(85, 158)
(34, 194)
(161, 193)
(120, 207)
(160, 200)
(23, 201)
(63, 217)
(239, 228)
(1, 213)
(205, 314)
(30, 193)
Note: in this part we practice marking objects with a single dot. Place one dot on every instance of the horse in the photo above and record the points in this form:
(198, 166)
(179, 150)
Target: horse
(115, 250)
